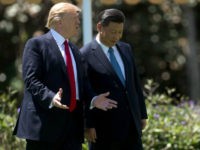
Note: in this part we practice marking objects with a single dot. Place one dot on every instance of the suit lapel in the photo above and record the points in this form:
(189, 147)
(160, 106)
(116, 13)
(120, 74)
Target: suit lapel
(123, 53)
(102, 58)
(56, 51)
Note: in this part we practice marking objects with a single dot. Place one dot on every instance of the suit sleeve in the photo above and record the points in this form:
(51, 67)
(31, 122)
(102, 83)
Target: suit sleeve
(143, 110)
(88, 112)
(32, 67)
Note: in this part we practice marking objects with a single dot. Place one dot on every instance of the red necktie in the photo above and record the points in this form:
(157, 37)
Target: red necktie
(70, 72)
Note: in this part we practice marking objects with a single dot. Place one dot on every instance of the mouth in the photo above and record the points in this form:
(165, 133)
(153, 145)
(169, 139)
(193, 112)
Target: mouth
(113, 41)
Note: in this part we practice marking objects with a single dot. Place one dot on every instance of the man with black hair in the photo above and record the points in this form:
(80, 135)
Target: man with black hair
(111, 68)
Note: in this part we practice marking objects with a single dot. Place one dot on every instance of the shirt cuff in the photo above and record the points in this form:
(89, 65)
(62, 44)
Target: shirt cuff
(51, 104)
(92, 102)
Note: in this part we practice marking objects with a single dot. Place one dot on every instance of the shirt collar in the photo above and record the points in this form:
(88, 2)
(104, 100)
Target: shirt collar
(58, 38)
(104, 47)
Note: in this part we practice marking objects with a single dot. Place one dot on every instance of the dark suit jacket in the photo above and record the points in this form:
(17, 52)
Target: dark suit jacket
(44, 72)
(114, 124)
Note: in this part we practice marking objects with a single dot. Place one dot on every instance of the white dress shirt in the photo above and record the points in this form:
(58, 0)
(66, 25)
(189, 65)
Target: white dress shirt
(60, 42)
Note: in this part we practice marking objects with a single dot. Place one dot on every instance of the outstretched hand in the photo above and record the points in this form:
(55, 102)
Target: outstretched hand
(104, 103)
(57, 100)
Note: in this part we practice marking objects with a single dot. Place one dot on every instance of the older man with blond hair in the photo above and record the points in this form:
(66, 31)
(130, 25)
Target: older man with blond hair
(55, 85)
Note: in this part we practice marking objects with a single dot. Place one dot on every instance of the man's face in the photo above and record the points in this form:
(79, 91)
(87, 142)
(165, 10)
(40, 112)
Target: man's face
(109, 35)
(71, 24)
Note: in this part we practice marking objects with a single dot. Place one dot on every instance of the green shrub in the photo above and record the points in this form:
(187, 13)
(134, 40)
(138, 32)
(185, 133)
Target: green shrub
(170, 126)
(8, 115)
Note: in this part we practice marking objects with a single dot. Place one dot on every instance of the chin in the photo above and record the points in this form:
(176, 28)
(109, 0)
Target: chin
(76, 33)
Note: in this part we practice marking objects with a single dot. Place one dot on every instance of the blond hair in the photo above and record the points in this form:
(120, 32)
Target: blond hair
(58, 10)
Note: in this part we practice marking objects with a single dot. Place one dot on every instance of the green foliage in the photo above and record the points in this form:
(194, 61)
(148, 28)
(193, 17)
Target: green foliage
(8, 115)
(85, 145)
(170, 126)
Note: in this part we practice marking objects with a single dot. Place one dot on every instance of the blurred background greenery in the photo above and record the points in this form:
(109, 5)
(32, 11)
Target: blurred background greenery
(165, 37)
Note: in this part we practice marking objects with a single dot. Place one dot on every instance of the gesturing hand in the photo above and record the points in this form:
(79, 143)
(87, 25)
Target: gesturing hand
(104, 103)
(57, 98)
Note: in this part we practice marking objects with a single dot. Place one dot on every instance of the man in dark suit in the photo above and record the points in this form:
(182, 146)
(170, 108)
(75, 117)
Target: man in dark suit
(111, 68)
(51, 114)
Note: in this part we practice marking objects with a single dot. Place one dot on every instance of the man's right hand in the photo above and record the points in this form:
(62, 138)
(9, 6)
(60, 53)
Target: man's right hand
(104, 103)
(57, 100)
(90, 134)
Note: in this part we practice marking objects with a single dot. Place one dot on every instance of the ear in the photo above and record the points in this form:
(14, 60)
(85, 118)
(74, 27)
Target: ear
(99, 27)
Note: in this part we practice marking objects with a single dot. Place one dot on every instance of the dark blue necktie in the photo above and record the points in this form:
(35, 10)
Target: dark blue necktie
(116, 65)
